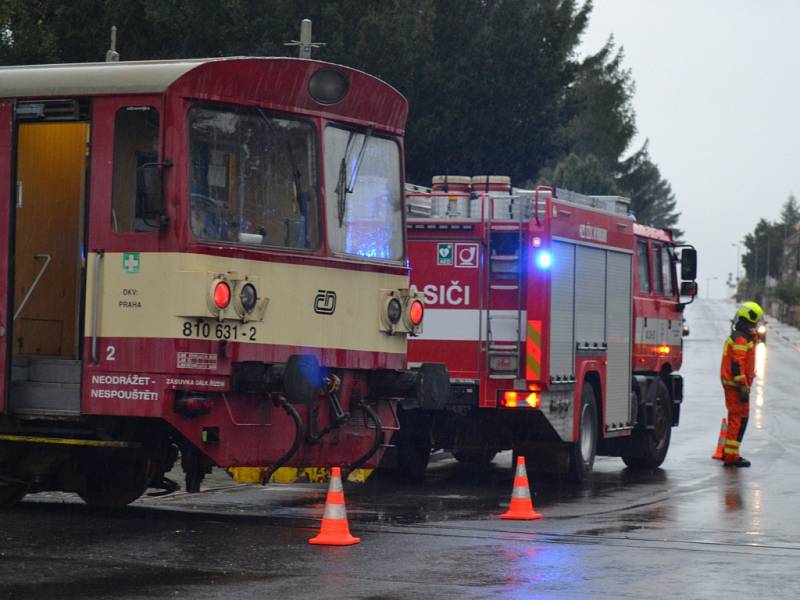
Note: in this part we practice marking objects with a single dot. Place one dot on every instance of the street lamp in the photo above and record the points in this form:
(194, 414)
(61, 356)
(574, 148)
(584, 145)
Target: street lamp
(708, 281)
(737, 263)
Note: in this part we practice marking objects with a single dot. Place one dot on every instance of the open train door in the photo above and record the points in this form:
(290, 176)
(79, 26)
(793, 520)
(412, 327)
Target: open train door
(6, 156)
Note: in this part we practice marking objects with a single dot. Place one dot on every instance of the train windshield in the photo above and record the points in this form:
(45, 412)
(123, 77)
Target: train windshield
(253, 178)
(363, 194)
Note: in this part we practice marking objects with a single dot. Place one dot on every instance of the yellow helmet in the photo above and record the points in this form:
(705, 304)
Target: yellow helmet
(750, 311)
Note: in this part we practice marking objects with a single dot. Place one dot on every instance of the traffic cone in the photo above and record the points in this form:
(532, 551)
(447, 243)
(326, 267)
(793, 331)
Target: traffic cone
(521, 507)
(723, 434)
(335, 531)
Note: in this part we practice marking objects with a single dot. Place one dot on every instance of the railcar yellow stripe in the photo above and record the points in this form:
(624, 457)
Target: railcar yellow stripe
(29, 439)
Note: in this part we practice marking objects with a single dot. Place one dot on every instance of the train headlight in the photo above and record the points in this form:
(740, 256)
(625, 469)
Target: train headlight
(248, 297)
(394, 310)
(328, 86)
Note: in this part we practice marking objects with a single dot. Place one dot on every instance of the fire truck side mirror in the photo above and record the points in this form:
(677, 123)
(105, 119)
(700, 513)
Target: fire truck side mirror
(689, 288)
(688, 264)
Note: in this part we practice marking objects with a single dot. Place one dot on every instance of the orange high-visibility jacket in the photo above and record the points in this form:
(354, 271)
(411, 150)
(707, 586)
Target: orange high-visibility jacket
(738, 360)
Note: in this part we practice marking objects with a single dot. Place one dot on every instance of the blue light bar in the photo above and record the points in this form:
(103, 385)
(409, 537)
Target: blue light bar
(544, 259)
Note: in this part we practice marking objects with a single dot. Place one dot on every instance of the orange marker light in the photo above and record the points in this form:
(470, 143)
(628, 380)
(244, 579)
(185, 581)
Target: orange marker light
(511, 399)
(222, 295)
(663, 349)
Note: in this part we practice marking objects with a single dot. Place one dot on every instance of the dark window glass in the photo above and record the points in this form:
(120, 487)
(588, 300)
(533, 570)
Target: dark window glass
(253, 178)
(643, 265)
(667, 271)
(658, 271)
(135, 144)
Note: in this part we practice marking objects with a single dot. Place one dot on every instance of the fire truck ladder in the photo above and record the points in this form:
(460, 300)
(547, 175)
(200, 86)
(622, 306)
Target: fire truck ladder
(503, 356)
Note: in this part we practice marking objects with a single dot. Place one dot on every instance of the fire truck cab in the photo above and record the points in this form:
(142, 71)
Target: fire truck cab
(559, 319)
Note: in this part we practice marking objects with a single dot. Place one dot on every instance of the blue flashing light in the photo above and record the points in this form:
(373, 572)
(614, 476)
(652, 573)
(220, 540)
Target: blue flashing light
(544, 259)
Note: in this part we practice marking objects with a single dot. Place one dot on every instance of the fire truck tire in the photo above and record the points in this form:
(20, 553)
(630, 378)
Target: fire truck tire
(11, 494)
(475, 457)
(413, 445)
(583, 450)
(113, 484)
(654, 444)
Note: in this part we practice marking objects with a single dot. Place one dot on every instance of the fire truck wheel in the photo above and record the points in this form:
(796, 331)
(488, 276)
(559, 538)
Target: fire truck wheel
(582, 450)
(413, 445)
(11, 494)
(108, 484)
(475, 457)
(654, 444)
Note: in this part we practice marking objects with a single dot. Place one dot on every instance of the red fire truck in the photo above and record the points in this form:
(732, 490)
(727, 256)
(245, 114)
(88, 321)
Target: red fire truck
(204, 256)
(559, 319)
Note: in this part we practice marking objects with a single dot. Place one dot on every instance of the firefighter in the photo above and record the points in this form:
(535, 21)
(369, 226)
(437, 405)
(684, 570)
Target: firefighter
(737, 373)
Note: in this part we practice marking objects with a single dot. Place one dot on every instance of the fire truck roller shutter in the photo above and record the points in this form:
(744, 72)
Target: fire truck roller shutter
(618, 337)
(562, 315)
(590, 299)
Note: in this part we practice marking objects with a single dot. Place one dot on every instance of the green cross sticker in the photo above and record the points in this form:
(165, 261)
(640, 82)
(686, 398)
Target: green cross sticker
(444, 254)
(131, 262)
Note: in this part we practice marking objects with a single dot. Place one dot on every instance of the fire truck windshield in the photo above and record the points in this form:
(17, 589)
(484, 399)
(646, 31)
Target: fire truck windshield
(253, 178)
(364, 194)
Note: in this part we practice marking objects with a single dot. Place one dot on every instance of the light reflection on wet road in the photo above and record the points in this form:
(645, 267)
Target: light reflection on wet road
(688, 529)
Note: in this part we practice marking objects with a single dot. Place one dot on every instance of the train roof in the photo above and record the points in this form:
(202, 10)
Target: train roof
(126, 77)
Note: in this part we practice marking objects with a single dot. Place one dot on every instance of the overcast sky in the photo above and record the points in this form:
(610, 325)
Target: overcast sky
(717, 86)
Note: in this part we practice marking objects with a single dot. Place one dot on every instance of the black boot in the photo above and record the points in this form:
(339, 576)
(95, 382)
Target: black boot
(740, 462)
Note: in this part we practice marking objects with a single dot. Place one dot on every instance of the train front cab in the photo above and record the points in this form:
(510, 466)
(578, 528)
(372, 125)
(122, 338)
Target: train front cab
(203, 264)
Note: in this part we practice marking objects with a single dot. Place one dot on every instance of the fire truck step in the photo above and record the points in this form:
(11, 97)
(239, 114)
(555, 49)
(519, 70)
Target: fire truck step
(496, 286)
(505, 257)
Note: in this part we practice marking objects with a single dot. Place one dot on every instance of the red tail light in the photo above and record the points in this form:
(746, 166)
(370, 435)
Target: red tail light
(416, 311)
(193, 405)
(222, 295)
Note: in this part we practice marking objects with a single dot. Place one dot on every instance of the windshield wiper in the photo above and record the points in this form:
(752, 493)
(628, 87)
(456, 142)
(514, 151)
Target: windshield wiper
(343, 187)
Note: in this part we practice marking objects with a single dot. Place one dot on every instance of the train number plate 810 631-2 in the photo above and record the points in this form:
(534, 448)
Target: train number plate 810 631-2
(209, 329)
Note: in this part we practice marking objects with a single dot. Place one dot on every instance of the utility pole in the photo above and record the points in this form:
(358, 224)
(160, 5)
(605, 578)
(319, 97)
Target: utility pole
(708, 285)
(304, 44)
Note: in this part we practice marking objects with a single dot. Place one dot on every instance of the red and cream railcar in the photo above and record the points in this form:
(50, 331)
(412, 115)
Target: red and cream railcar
(558, 317)
(199, 255)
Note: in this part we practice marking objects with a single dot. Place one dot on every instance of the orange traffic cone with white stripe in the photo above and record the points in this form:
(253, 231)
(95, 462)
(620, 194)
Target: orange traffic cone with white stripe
(335, 531)
(723, 434)
(521, 507)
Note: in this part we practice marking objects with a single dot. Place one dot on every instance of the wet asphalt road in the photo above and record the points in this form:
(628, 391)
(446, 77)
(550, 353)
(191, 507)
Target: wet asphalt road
(691, 529)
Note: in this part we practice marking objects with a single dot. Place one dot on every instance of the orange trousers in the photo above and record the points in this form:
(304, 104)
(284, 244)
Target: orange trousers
(738, 414)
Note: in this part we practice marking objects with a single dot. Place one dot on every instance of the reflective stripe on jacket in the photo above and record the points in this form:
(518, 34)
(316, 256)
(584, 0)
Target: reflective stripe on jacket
(738, 359)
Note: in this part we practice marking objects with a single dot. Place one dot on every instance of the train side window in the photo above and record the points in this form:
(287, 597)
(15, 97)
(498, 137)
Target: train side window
(666, 263)
(658, 270)
(643, 266)
(135, 144)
